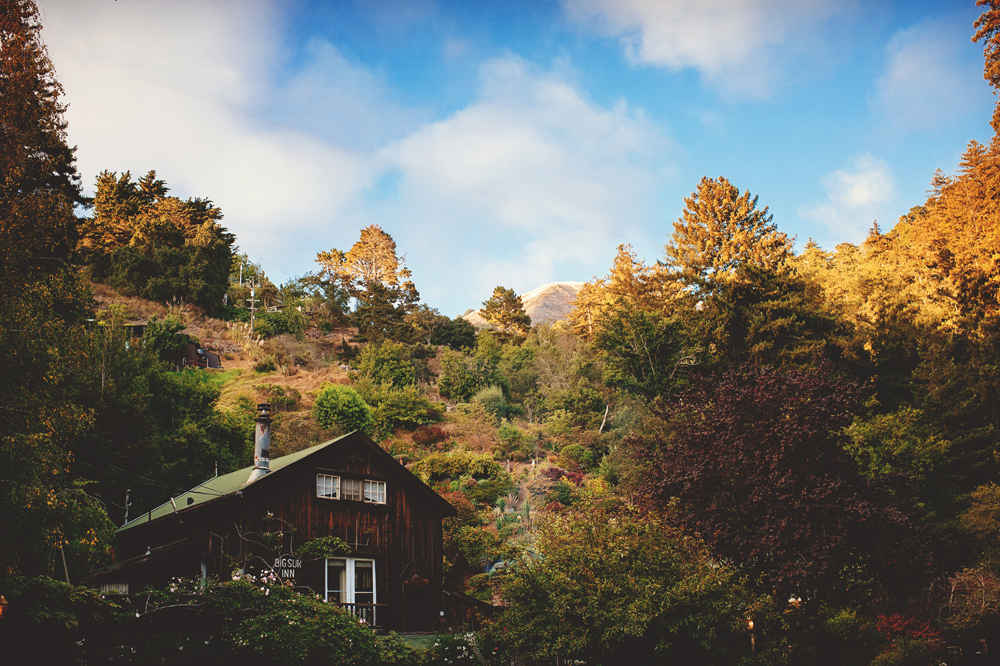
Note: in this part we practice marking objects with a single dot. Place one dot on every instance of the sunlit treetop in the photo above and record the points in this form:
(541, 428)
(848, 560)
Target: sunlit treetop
(721, 232)
(371, 260)
(34, 155)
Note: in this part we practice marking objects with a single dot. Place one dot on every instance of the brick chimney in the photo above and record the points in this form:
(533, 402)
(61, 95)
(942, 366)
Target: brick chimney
(261, 443)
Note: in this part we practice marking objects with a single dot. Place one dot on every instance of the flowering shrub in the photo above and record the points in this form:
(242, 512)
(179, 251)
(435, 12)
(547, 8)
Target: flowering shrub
(912, 642)
(256, 618)
(899, 626)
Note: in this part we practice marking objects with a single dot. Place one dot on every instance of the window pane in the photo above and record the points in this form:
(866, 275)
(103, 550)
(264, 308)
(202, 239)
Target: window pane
(375, 491)
(364, 590)
(364, 579)
(351, 489)
(336, 581)
(327, 486)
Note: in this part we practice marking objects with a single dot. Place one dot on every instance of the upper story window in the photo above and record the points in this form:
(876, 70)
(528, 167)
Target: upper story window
(375, 492)
(352, 490)
(328, 486)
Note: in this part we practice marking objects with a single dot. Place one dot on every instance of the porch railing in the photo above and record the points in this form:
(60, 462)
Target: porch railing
(367, 613)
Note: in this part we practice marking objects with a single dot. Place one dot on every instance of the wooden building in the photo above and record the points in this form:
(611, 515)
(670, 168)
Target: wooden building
(254, 521)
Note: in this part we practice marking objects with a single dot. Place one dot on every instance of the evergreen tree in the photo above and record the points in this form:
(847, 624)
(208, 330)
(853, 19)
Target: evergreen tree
(377, 279)
(38, 180)
(42, 305)
(720, 234)
(988, 31)
(148, 244)
(630, 284)
(505, 311)
(734, 285)
(34, 155)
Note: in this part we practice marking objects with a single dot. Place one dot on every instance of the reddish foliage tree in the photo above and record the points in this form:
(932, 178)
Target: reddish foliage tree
(556, 473)
(756, 463)
(427, 436)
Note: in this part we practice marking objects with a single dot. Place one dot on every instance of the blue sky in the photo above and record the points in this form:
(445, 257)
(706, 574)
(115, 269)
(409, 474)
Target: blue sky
(515, 142)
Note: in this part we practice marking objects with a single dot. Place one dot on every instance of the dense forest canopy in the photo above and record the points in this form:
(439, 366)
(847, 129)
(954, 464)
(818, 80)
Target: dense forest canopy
(733, 431)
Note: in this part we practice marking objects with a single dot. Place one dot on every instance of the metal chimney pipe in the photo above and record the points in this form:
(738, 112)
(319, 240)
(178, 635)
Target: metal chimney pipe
(261, 443)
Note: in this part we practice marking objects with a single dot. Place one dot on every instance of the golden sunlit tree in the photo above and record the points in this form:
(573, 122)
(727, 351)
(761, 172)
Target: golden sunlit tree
(39, 183)
(148, 244)
(377, 279)
(744, 301)
(630, 283)
(721, 234)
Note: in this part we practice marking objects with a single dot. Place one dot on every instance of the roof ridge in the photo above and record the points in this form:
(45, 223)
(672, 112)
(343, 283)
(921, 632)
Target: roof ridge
(221, 486)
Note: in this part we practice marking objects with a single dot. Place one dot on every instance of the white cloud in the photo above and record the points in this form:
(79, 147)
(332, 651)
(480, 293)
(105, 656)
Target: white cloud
(930, 78)
(855, 198)
(530, 183)
(731, 42)
(177, 87)
(531, 174)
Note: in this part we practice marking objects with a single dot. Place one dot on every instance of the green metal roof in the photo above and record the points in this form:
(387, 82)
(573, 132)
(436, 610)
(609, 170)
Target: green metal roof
(220, 486)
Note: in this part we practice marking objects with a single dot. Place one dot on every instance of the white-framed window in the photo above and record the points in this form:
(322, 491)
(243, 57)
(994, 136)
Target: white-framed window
(350, 489)
(375, 492)
(328, 486)
(351, 583)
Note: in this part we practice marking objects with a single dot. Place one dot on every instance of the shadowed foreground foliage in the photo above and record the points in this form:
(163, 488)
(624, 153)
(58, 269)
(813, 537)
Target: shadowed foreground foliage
(608, 584)
(756, 462)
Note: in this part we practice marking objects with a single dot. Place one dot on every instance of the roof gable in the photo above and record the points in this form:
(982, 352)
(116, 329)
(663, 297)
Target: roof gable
(236, 482)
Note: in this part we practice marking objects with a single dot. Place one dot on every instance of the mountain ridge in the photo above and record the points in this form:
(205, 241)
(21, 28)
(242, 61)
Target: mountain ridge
(546, 304)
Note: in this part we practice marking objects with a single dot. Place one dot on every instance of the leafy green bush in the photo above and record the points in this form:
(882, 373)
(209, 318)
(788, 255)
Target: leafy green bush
(291, 629)
(562, 492)
(270, 324)
(486, 491)
(394, 651)
(513, 441)
(246, 620)
(458, 379)
(45, 620)
(609, 584)
(492, 398)
(387, 362)
(584, 402)
(338, 405)
(456, 464)
(234, 313)
(559, 422)
(163, 337)
(395, 408)
(578, 454)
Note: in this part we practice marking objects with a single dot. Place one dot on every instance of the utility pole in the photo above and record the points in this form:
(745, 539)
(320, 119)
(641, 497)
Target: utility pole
(127, 505)
(253, 300)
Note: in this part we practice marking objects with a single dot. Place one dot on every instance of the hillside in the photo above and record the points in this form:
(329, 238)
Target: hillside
(547, 304)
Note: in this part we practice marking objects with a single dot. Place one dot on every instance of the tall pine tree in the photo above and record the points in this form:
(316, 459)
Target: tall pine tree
(42, 304)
